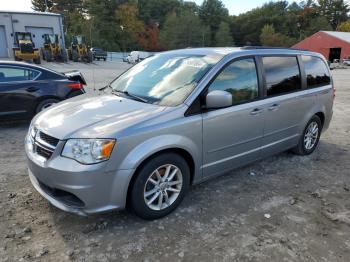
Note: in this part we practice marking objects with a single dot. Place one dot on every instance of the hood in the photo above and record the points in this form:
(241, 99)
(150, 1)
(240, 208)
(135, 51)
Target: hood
(93, 116)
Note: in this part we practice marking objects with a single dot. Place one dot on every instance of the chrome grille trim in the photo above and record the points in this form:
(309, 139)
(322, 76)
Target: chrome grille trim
(41, 147)
(41, 142)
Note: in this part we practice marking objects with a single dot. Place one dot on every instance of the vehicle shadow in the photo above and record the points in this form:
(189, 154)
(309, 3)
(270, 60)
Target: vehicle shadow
(14, 123)
(230, 197)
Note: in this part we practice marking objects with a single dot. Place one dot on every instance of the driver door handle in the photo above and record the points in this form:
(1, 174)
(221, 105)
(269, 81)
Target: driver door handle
(32, 89)
(256, 111)
(273, 107)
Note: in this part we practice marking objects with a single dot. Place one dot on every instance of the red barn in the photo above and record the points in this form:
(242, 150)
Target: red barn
(331, 44)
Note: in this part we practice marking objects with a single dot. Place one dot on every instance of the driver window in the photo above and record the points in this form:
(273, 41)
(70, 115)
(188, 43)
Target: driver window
(240, 79)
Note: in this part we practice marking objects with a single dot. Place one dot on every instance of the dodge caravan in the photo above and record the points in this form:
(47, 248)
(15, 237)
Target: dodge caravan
(174, 120)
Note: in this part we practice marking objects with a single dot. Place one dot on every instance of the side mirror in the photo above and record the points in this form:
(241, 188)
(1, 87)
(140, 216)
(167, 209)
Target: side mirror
(218, 99)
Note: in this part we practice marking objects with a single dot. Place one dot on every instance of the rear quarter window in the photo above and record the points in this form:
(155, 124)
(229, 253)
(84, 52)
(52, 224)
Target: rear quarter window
(316, 71)
(282, 74)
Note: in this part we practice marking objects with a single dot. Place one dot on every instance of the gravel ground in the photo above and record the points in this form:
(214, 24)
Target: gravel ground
(284, 208)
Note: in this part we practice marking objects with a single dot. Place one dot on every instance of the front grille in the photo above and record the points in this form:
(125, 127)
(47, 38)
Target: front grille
(49, 139)
(43, 144)
(41, 151)
(26, 48)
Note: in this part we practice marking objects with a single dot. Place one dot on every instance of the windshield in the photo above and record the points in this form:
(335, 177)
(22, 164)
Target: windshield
(52, 38)
(23, 36)
(165, 79)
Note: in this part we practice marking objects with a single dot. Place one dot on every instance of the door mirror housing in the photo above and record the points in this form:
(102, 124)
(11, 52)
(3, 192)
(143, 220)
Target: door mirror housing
(218, 99)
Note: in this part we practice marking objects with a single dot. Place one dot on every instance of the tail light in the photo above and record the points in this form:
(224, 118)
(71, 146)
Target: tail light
(75, 85)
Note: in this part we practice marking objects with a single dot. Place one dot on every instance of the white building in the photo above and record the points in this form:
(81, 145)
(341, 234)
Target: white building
(37, 23)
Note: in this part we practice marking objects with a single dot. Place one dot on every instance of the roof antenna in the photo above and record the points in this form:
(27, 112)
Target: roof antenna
(93, 75)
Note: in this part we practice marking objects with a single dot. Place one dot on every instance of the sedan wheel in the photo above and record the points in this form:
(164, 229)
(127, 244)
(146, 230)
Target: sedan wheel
(46, 104)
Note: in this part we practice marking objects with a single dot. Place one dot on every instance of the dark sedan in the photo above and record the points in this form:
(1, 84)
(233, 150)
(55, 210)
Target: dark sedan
(27, 89)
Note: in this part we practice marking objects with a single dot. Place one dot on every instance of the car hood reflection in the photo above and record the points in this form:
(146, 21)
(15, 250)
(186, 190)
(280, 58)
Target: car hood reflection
(86, 116)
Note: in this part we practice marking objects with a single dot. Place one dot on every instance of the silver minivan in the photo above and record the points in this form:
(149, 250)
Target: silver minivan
(174, 120)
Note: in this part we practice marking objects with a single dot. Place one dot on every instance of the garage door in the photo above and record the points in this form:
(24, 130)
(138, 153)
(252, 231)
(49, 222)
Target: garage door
(38, 33)
(3, 42)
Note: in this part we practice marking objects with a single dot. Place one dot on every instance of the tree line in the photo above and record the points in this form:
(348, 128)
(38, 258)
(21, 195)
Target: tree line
(154, 25)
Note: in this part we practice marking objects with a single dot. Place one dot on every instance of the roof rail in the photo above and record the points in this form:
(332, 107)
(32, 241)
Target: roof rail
(271, 47)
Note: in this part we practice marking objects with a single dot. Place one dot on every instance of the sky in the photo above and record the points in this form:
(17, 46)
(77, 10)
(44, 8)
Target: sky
(235, 7)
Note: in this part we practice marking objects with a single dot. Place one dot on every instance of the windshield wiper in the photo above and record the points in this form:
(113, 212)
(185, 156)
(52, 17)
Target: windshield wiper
(135, 97)
(103, 88)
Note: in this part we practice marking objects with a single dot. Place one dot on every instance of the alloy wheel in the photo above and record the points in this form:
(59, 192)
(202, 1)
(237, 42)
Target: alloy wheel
(311, 135)
(163, 187)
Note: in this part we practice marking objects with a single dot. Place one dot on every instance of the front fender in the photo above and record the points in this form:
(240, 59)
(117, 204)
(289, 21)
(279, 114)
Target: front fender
(155, 144)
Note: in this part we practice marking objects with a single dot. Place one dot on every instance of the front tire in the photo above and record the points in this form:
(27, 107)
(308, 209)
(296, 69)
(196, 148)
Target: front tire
(310, 137)
(160, 186)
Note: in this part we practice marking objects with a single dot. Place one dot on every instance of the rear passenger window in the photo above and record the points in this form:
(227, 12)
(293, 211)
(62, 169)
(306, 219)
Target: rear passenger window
(11, 74)
(316, 71)
(240, 79)
(282, 75)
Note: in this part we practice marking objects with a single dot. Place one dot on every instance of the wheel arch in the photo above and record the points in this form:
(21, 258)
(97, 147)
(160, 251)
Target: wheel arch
(42, 98)
(177, 150)
(321, 116)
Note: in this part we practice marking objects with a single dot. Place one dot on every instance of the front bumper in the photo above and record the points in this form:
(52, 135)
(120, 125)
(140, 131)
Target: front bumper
(77, 188)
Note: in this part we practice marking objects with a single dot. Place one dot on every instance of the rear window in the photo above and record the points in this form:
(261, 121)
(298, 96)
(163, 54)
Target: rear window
(282, 75)
(316, 71)
(11, 74)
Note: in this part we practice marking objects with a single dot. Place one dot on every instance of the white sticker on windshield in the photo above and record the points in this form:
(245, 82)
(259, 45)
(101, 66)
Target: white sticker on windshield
(194, 63)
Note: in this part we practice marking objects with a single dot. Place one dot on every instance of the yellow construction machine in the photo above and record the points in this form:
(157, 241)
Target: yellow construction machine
(24, 48)
(79, 50)
(52, 49)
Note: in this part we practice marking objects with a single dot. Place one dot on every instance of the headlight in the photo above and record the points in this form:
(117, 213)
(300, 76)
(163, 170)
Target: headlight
(32, 130)
(88, 151)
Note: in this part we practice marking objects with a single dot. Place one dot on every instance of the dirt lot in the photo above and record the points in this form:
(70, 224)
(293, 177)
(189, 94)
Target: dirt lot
(285, 208)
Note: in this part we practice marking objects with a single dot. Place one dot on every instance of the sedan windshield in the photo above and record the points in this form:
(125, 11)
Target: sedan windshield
(165, 79)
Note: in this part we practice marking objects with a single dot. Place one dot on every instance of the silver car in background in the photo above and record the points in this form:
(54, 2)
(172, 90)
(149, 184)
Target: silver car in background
(176, 119)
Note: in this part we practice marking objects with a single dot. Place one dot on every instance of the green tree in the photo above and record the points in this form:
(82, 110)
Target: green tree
(132, 28)
(246, 28)
(336, 11)
(344, 27)
(156, 10)
(104, 28)
(212, 13)
(269, 37)
(183, 30)
(223, 36)
(319, 23)
(40, 5)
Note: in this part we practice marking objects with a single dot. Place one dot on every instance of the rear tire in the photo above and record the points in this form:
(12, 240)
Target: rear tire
(167, 190)
(46, 104)
(310, 137)
(89, 57)
(48, 56)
